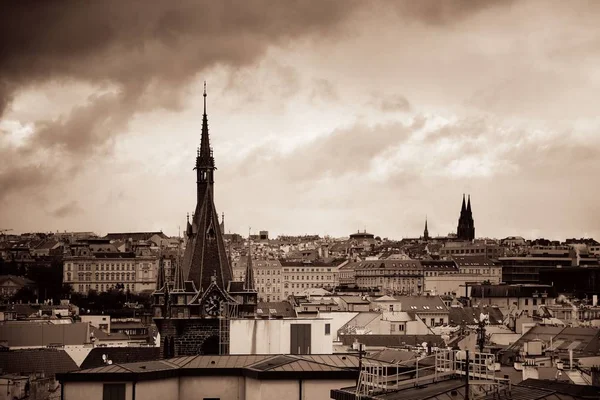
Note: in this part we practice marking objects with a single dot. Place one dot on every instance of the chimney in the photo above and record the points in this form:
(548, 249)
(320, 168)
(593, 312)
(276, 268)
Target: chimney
(530, 372)
(596, 376)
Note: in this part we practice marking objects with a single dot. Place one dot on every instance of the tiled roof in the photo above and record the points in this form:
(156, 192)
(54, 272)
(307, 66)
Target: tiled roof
(486, 291)
(119, 355)
(101, 335)
(537, 332)
(338, 366)
(354, 300)
(276, 308)
(48, 244)
(388, 264)
(473, 261)
(42, 334)
(360, 321)
(19, 280)
(530, 389)
(48, 361)
(135, 236)
(421, 303)
(392, 340)
(468, 314)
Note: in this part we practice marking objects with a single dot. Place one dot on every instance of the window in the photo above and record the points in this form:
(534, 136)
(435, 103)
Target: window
(113, 391)
(327, 329)
(526, 301)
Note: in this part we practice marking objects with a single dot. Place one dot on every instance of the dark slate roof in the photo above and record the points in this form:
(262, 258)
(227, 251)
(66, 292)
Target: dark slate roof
(276, 308)
(120, 355)
(338, 366)
(25, 362)
(392, 340)
(531, 389)
(444, 265)
(236, 287)
(468, 314)
(478, 291)
(135, 236)
(421, 303)
(540, 332)
(563, 388)
(205, 257)
(475, 260)
(43, 334)
(19, 280)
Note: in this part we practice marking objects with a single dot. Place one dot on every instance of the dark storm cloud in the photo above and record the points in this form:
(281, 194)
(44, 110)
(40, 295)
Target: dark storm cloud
(435, 12)
(143, 52)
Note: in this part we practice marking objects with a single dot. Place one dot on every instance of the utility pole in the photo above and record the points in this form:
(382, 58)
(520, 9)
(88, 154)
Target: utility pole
(467, 376)
(360, 354)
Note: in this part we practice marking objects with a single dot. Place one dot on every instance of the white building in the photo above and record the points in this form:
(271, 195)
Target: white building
(281, 336)
(216, 377)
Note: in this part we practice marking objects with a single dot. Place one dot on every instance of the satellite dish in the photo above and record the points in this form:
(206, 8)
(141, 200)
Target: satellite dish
(109, 362)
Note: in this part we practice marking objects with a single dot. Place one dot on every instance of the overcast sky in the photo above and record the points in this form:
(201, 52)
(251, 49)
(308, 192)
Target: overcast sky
(325, 116)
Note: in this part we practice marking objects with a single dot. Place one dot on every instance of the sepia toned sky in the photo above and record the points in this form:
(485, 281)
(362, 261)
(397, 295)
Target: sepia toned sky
(325, 116)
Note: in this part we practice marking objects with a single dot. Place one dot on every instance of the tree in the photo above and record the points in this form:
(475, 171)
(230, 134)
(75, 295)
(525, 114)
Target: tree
(24, 295)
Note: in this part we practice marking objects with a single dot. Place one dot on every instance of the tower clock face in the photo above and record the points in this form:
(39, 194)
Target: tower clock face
(213, 305)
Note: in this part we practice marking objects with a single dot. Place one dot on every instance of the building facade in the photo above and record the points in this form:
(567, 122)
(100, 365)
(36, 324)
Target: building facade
(299, 276)
(85, 270)
(396, 276)
(267, 277)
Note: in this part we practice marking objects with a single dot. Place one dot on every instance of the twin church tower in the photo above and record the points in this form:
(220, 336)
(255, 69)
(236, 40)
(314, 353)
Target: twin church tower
(466, 224)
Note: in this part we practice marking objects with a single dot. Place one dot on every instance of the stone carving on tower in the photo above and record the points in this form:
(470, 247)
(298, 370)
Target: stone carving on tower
(193, 312)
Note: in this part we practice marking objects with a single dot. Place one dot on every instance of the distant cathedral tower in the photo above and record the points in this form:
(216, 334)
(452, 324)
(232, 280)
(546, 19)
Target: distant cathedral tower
(466, 225)
(426, 231)
(193, 312)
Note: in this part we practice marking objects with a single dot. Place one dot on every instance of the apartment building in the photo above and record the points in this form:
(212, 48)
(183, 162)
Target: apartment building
(87, 270)
(402, 276)
(301, 275)
(267, 277)
(465, 248)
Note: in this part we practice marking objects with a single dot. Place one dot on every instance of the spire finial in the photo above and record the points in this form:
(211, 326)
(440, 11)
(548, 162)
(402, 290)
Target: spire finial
(204, 97)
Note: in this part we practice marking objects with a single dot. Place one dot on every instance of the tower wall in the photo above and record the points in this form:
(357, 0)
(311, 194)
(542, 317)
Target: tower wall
(189, 336)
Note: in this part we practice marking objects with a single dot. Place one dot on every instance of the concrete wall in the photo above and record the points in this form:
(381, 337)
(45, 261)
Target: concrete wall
(337, 319)
(221, 387)
(455, 283)
(164, 389)
(97, 320)
(273, 336)
(90, 390)
(290, 389)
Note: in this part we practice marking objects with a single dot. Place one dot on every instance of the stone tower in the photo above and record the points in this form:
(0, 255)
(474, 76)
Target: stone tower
(466, 225)
(193, 312)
